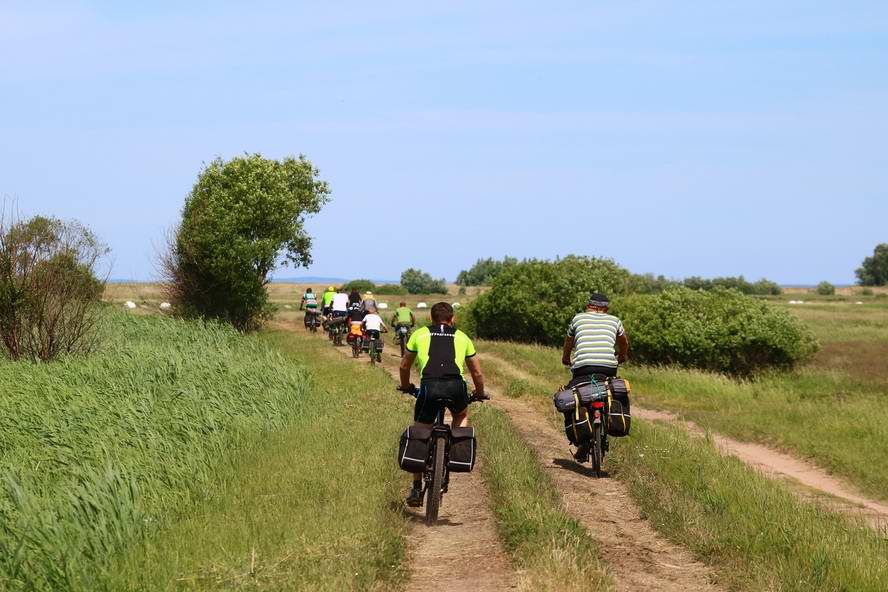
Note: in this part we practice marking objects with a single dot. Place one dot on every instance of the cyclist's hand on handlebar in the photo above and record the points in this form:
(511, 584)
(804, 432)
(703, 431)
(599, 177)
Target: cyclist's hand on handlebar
(410, 389)
(481, 396)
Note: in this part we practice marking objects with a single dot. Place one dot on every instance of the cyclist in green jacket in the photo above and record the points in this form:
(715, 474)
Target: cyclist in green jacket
(443, 353)
(403, 317)
(327, 300)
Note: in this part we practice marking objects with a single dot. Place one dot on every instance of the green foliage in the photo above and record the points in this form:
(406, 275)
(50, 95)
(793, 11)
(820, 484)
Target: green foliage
(49, 292)
(825, 288)
(390, 290)
(874, 270)
(484, 271)
(359, 285)
(416, 281)
(649, 284)
(866, 292)
(99, 451)
(763, 287)
(533, 301)
(241, 217)
(721, 330)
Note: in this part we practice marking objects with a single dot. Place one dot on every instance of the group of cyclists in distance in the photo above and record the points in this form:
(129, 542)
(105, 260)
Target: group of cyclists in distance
(595, 344)
(360, 312)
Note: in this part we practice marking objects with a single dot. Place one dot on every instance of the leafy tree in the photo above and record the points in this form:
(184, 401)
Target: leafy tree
(417, 281)
(49, 290)
(241, 218)
(533, 301)
(484, 271)
(874, 270)
(826, 289)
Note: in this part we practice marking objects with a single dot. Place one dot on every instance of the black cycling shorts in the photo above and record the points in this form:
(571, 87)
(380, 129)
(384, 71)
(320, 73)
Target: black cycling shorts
(437, 394)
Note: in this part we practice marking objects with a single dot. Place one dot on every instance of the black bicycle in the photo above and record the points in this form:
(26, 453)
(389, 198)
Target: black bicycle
(402, 332)
(436, 476)
(312, 320)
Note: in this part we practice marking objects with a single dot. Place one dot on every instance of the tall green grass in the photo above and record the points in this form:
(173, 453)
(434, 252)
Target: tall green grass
(96, 453)
(315, 505)
(759, 535)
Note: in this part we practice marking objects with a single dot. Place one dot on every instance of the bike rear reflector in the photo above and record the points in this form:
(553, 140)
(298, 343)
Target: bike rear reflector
(597, 404)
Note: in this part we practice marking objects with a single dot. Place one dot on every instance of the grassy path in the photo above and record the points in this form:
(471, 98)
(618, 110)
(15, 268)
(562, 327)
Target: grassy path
(548, 549)
(808, 480)
(752, 531)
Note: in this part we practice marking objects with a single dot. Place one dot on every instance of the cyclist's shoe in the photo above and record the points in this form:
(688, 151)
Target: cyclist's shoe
(582, 453)
(414, 498)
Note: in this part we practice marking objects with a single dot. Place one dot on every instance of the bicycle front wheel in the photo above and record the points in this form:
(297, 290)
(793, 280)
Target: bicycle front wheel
(433, 500)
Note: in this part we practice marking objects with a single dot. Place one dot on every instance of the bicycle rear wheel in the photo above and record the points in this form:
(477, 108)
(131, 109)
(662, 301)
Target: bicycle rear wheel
(433, 499)
(596, 449)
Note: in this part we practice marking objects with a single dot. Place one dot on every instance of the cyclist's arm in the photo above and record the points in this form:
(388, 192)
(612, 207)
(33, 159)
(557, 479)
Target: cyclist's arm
(404, 370)
(622, 347)
(474, 367)
(412, 319)
(568, 347)
(384, 328)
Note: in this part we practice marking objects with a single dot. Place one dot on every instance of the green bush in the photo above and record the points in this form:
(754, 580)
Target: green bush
(240, 217)
(484, 271)
(533, 301)
(359, 285)
(49, 291)
(866, 292)
(721, 330)
(390, 290)
(417, 281)
(763, 287)
(826, 289)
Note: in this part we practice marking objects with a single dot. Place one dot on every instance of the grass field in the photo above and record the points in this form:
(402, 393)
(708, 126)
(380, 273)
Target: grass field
(187, 456)
(313, 506)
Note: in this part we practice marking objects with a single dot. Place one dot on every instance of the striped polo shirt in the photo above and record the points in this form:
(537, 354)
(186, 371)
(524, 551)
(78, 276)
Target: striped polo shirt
(595, 337)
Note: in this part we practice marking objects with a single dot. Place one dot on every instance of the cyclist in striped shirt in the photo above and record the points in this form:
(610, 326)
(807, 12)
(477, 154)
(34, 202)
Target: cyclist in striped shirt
(596, 342)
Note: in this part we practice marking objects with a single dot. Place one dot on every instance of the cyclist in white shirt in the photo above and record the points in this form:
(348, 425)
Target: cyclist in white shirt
(373, 324)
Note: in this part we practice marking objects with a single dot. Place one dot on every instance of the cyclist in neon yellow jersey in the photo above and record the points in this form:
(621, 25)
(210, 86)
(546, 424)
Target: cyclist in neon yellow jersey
(327, 300)
(442, 353)
(403, 317)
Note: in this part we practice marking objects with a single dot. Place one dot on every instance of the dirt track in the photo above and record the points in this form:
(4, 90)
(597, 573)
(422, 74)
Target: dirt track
(638, 557)
(461, 553)
(806, 479)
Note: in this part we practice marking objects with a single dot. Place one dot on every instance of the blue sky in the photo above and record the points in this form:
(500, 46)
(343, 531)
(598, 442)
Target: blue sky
(683, 138)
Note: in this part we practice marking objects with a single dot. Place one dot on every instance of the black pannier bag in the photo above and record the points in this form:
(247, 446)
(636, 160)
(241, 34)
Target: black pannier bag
(578, 426)
(463, 447)
(413, 451)
(619, 420)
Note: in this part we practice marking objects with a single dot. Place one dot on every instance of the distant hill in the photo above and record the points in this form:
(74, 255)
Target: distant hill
(308, 279)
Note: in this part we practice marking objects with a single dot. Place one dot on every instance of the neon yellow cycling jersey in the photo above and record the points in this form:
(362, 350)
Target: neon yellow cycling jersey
(403, 315)
(328, 298)
(441, 351)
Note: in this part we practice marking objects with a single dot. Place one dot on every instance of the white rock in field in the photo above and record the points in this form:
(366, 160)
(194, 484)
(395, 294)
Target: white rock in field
(456, 305)
(382, 305)
(287, 306)
(165, 306)
(422, 305)
(130, 304)
(858, 302)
